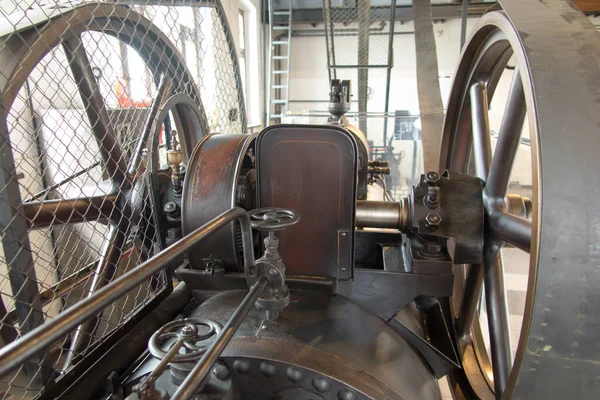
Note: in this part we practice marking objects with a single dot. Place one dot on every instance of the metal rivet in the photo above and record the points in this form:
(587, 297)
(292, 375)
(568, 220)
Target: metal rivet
(346, 394)
(267, 369)
(321, 385)
(221, 372)
(294, 374)
(241, 366)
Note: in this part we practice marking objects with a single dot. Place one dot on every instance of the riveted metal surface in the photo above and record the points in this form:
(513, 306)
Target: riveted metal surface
(330, 335)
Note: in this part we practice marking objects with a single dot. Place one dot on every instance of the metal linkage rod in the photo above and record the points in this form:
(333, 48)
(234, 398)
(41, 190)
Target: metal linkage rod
(201, 370)
(19, 351)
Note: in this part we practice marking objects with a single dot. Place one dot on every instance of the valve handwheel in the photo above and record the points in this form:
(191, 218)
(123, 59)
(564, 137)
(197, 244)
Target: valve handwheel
(190, 331)
(273, 218)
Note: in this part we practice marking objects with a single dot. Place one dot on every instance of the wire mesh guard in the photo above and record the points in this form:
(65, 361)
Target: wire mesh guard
(77, 208)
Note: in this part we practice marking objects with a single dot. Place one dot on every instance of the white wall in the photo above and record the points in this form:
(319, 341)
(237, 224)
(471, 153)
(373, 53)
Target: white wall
(309, 81)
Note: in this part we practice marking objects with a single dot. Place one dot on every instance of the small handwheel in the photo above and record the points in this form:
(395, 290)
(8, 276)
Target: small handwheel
(272, 218)
(191, 331)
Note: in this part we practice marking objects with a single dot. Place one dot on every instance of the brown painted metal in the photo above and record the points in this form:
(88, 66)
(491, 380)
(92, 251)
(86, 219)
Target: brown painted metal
(210, 188)
(40, 214)
(311, 170)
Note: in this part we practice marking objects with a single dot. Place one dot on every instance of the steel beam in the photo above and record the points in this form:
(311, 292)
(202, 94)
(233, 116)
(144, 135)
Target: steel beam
(401, 13)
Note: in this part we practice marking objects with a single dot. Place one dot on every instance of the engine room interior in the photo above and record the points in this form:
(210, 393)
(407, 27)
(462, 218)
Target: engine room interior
(254, 199)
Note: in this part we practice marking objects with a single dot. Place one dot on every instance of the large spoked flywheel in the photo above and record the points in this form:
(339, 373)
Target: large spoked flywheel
(524, 116)
(91, 97)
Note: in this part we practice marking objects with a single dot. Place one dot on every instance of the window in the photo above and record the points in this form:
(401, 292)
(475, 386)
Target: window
(247, 21)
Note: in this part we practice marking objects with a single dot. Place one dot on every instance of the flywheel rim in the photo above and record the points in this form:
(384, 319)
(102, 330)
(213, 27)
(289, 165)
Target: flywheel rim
(483, 59)
(540, 353)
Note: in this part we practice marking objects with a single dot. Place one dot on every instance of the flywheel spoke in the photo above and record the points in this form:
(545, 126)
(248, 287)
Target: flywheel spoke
(482, 148)
(508, 140)
(512, 229)
(497, 315)
(45, 213)
(95, 107)
(142, 141)
(470, 300)
(106, 269)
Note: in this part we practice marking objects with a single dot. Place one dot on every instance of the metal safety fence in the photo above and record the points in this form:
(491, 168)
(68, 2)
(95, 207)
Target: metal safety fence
(84, 129)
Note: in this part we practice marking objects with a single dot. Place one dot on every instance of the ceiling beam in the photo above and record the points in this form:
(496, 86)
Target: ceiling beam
(403, 13)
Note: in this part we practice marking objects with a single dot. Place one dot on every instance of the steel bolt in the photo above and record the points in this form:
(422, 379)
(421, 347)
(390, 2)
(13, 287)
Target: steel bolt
(432, 177)
(433, 219)
(170, 209)
(273, 272)
(433, 248)
(432, 200)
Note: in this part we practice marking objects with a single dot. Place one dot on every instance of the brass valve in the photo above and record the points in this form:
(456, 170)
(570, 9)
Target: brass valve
(174, 159)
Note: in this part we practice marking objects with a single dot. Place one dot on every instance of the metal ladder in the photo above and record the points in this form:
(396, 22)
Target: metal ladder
(280, 36)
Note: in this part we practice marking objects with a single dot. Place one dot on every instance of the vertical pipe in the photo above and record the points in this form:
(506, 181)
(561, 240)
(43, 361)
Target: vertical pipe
(364, 21)
(328, 21)
(270, 66)
(463, 23)
(389, 69)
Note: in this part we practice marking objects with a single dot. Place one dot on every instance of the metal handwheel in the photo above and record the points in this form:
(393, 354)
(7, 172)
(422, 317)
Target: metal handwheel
(272, 218)
(190, 331)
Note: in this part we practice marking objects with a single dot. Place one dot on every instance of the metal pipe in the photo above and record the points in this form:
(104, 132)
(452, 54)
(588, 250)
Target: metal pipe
(19, 351)
(389, 72)
(382, 214)
(200, 371)
(45, 192)
(463, 23)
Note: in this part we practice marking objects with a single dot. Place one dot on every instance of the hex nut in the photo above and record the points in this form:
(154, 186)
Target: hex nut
(433, 219)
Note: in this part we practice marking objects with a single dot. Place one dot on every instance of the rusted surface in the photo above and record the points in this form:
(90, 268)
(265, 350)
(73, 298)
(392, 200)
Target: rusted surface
(210, 189)
(311, 170)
